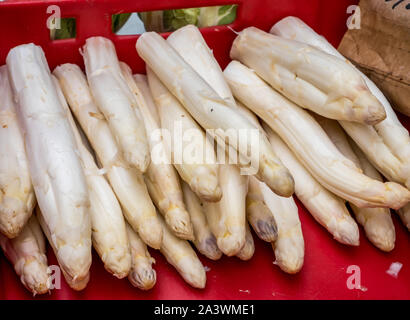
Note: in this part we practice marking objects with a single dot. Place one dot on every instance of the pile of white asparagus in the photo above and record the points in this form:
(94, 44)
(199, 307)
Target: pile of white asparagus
(91, 150)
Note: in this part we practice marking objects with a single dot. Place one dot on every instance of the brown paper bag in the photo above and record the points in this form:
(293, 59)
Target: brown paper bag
(381, 48)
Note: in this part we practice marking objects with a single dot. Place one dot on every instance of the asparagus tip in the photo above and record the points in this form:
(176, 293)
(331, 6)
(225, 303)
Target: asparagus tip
(381, 233)
(289, 260)
(232, 243)
(278, 179)
(77, 283)
(151, 232)
(14, 215)
(118, 261)
(375, 112)
(178, 221)
(397, 195)
(206, 187)
(347, 232)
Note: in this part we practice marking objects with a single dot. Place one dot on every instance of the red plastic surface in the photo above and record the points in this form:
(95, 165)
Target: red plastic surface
(324, 273)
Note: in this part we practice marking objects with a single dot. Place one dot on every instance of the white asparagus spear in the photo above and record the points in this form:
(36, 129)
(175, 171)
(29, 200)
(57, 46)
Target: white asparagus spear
(231, 154)
(55, 168)
(108, 225)
(183, 258)
(289, 247)
(248, 248)
(137, 206)
(227, 218)
(378, 152)
(75, 283)
(376, 222)
(392, 131)
(176, 217)
(327, 209)
(27, 253)
(308, 76)
(258, 214)
(191, 46)
(338, 138)
(109, 235)
(310, 144)
(390, 141)
(211, 111)
(142, 275)
(127, 183)
(200, 171)
(161, 178)
(17, 198)
(115, 100)
(204, 239)
(249, 114)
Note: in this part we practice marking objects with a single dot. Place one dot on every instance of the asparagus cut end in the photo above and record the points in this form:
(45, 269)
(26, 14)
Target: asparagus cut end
(34, 276)
(209, 248)
(143, 278)
(265, 229)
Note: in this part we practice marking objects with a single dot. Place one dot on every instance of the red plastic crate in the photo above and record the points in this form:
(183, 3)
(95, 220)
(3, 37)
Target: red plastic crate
(324, 273)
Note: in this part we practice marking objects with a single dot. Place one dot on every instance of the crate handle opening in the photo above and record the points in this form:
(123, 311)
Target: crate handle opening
(162, 21)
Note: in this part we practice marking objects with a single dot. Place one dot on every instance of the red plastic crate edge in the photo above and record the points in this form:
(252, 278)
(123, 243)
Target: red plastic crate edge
(219, 39)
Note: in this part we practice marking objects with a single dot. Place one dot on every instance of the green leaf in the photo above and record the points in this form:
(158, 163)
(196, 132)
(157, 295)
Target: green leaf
(175, 19)
(223, 9)
(227, 14)
(67, 29)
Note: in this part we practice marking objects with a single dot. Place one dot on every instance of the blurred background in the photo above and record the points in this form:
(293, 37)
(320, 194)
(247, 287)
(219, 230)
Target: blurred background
(159, 21)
